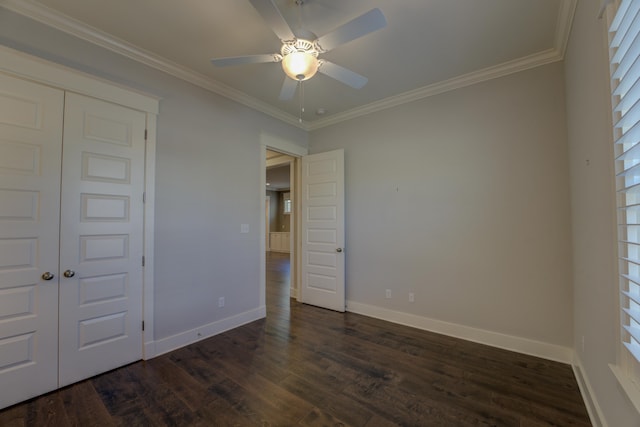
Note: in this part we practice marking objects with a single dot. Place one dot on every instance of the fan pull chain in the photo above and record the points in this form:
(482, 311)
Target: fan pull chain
(301, 97)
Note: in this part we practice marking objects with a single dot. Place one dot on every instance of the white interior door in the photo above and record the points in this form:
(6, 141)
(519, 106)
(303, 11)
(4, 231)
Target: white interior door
(101, 237)
(323, 230)
(30, 147)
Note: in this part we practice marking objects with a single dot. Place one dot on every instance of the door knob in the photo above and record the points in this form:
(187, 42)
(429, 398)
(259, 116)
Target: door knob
(47, 276)
(339, 250)
(69, 273)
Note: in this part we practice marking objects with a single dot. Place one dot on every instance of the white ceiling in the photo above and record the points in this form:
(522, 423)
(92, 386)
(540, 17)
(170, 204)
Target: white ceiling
(427, 47)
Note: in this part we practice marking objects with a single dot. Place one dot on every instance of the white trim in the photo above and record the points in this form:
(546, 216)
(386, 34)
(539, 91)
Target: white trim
(262, 279)
(293, 284)
(588, 396)
(603, 8)
(296, 273)
(630, 388)
(563, 25)
(282, 145)
(293, 292)
(48, 73)
(52, 18)
(508, 342)
(174, 342)
(267, 225)
(149, 227)
(465, 80)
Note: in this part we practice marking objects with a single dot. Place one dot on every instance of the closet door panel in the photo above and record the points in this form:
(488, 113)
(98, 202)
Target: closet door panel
(101, 237)
(30, 153)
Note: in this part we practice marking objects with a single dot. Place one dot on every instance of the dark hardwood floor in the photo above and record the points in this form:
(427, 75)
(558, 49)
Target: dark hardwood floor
(312, 367)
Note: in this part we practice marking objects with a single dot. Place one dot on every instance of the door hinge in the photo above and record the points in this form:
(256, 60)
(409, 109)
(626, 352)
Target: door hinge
(143, 325)
(143, 260)
(145, 134)
(144, 197)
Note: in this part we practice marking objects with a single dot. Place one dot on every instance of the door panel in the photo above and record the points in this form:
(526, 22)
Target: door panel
(323, 230)
(30, 147)
(101, 237)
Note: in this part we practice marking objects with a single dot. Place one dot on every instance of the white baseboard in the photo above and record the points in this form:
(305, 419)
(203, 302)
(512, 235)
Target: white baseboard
(508, 342)
(595, 413)
(174, 342)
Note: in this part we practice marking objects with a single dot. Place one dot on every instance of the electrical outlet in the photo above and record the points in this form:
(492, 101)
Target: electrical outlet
(412, 297)
(388, 293)
(221, 302)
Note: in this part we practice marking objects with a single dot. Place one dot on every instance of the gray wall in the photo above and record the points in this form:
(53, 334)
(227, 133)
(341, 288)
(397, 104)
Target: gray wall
(463, 199)
(207, 181)
(592, 201)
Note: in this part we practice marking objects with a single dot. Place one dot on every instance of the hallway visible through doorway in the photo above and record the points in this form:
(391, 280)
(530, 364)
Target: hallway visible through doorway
(278, 214)
(278, 282)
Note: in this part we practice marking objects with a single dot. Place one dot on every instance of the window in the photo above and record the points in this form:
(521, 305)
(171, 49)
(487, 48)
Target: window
(624, 54)
(286, 197)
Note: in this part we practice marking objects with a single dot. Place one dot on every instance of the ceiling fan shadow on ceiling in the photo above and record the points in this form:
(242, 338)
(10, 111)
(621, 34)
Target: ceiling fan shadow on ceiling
(300, 48)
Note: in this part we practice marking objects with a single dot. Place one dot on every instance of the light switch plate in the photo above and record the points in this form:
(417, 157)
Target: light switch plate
(244, 228)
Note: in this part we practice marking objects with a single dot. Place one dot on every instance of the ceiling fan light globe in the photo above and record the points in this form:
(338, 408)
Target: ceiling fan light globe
(300, 65)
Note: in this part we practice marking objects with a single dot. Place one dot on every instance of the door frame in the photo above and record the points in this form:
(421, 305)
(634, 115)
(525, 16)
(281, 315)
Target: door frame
(25, 66)
(290, 148)
(267, 218)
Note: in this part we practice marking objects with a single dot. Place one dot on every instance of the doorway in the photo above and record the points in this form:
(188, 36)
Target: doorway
(279, 225)
(317, 226)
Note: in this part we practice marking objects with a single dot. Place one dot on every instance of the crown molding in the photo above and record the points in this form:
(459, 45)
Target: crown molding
(469, 79)
(563, 25)
(95, 36)
(59, 21)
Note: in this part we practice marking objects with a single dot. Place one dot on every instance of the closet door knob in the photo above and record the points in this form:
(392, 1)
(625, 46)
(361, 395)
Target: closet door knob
(339, 250)
(47, 276)
(69, 273)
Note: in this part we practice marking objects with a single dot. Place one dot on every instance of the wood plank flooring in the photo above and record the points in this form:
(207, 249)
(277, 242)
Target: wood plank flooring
(305, 366)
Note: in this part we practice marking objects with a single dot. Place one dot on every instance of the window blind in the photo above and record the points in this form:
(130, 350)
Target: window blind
(624, 49)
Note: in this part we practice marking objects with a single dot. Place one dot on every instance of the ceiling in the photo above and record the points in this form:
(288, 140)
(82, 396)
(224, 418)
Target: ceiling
(427, 47)
(278, 178)
(278, 171)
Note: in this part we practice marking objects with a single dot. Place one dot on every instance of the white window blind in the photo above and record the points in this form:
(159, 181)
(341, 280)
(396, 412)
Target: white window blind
(624, 49)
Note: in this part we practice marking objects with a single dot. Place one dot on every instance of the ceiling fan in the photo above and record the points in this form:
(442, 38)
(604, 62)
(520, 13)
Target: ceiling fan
(301, 48)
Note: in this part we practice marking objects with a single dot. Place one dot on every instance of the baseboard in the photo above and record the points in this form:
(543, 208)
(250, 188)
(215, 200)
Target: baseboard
(595, 413)
(508, 342)
(191, 336)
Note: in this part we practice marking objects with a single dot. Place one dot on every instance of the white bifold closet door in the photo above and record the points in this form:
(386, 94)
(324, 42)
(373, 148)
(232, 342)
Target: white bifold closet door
(30, 155)
(70, 253)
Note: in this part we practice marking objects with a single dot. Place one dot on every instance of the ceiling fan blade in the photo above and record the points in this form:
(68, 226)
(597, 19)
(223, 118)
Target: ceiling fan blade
(364, 24)
(249, 59)
(342, 74)
(288, 90)
(270, 13)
